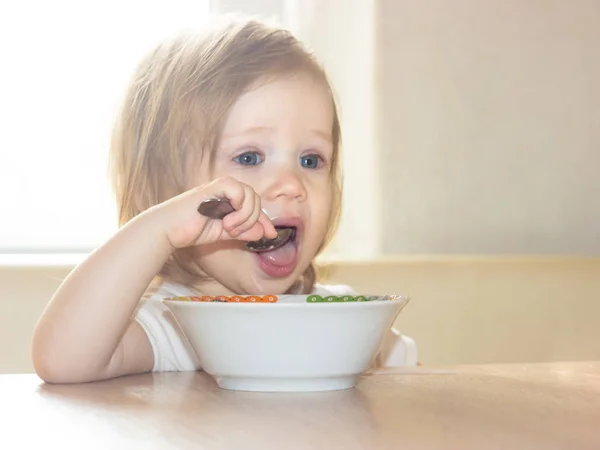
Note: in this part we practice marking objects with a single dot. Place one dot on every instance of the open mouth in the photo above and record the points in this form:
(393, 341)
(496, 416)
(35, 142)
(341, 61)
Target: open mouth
(286, 234)
(282, 259)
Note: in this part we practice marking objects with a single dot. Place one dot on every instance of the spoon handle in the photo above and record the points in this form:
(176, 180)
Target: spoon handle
(215, 208)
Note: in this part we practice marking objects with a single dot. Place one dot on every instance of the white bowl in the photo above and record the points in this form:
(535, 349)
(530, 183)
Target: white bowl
(286, 346)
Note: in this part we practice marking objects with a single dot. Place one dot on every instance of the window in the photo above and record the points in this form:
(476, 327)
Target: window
(66, 65)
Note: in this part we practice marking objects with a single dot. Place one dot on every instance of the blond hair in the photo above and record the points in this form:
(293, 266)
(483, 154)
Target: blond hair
(176, 104)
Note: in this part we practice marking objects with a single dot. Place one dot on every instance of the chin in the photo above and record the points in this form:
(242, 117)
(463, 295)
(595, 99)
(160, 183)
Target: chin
(276, 285)
(273, 287)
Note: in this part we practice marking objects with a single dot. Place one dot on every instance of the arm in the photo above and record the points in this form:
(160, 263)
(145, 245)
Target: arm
(87, 333)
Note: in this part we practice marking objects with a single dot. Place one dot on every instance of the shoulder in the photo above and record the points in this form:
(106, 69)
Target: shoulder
(170, 345)
(151, 303)
(333, 289)
(162, 289)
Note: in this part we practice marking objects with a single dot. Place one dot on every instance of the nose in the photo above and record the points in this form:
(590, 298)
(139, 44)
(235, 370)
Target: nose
(286, 184)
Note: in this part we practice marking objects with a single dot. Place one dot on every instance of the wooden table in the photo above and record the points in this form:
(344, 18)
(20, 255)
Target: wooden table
(546, 406)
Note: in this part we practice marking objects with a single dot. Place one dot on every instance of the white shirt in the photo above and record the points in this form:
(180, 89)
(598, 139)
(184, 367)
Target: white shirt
(173, 352)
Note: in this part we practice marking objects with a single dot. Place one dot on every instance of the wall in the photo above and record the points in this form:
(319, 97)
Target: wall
(24, 292)
(488, 115)
(475, 310)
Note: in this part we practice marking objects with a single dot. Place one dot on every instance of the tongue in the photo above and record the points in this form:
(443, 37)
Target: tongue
(282, 256)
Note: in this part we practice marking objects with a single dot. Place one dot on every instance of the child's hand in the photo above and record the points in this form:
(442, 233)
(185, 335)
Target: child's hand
(185, 226)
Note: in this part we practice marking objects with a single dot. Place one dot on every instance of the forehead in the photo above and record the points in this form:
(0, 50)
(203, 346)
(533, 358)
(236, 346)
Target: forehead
(295, 103)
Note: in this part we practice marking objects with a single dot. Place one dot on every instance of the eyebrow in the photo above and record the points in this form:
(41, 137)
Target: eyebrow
(323, 135)
(326, 136)
(250, 130)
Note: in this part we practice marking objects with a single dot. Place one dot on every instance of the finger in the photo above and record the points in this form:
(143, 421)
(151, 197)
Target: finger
(233, 190)
(236, 219)
(268, 228)
(228, 188)
(253, 234)
(253, 219)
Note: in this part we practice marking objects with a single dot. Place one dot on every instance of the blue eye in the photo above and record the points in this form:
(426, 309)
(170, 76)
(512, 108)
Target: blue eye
(310, 161)
(248, 159)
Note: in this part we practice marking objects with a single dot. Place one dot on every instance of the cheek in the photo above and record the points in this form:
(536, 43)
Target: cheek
(250, 177)
(215, 259)
(321, 212)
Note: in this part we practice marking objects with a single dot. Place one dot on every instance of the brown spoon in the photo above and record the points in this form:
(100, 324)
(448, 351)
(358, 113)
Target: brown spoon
(217, 208)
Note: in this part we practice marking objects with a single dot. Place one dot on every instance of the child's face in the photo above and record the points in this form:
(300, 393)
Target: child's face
(277, 139)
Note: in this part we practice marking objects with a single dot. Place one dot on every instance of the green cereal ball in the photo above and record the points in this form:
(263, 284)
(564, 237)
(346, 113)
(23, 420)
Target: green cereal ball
(360, 298)
(331, 298)
(314, 298)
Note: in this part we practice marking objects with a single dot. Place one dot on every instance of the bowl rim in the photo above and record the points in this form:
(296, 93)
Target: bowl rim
(397, 299)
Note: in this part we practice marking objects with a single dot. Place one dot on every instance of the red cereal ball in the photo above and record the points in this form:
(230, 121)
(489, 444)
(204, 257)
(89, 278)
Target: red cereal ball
(237, 298)
(207, 298)
(269, 298)
(195, 298)
(253, 298)
(222, 298)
